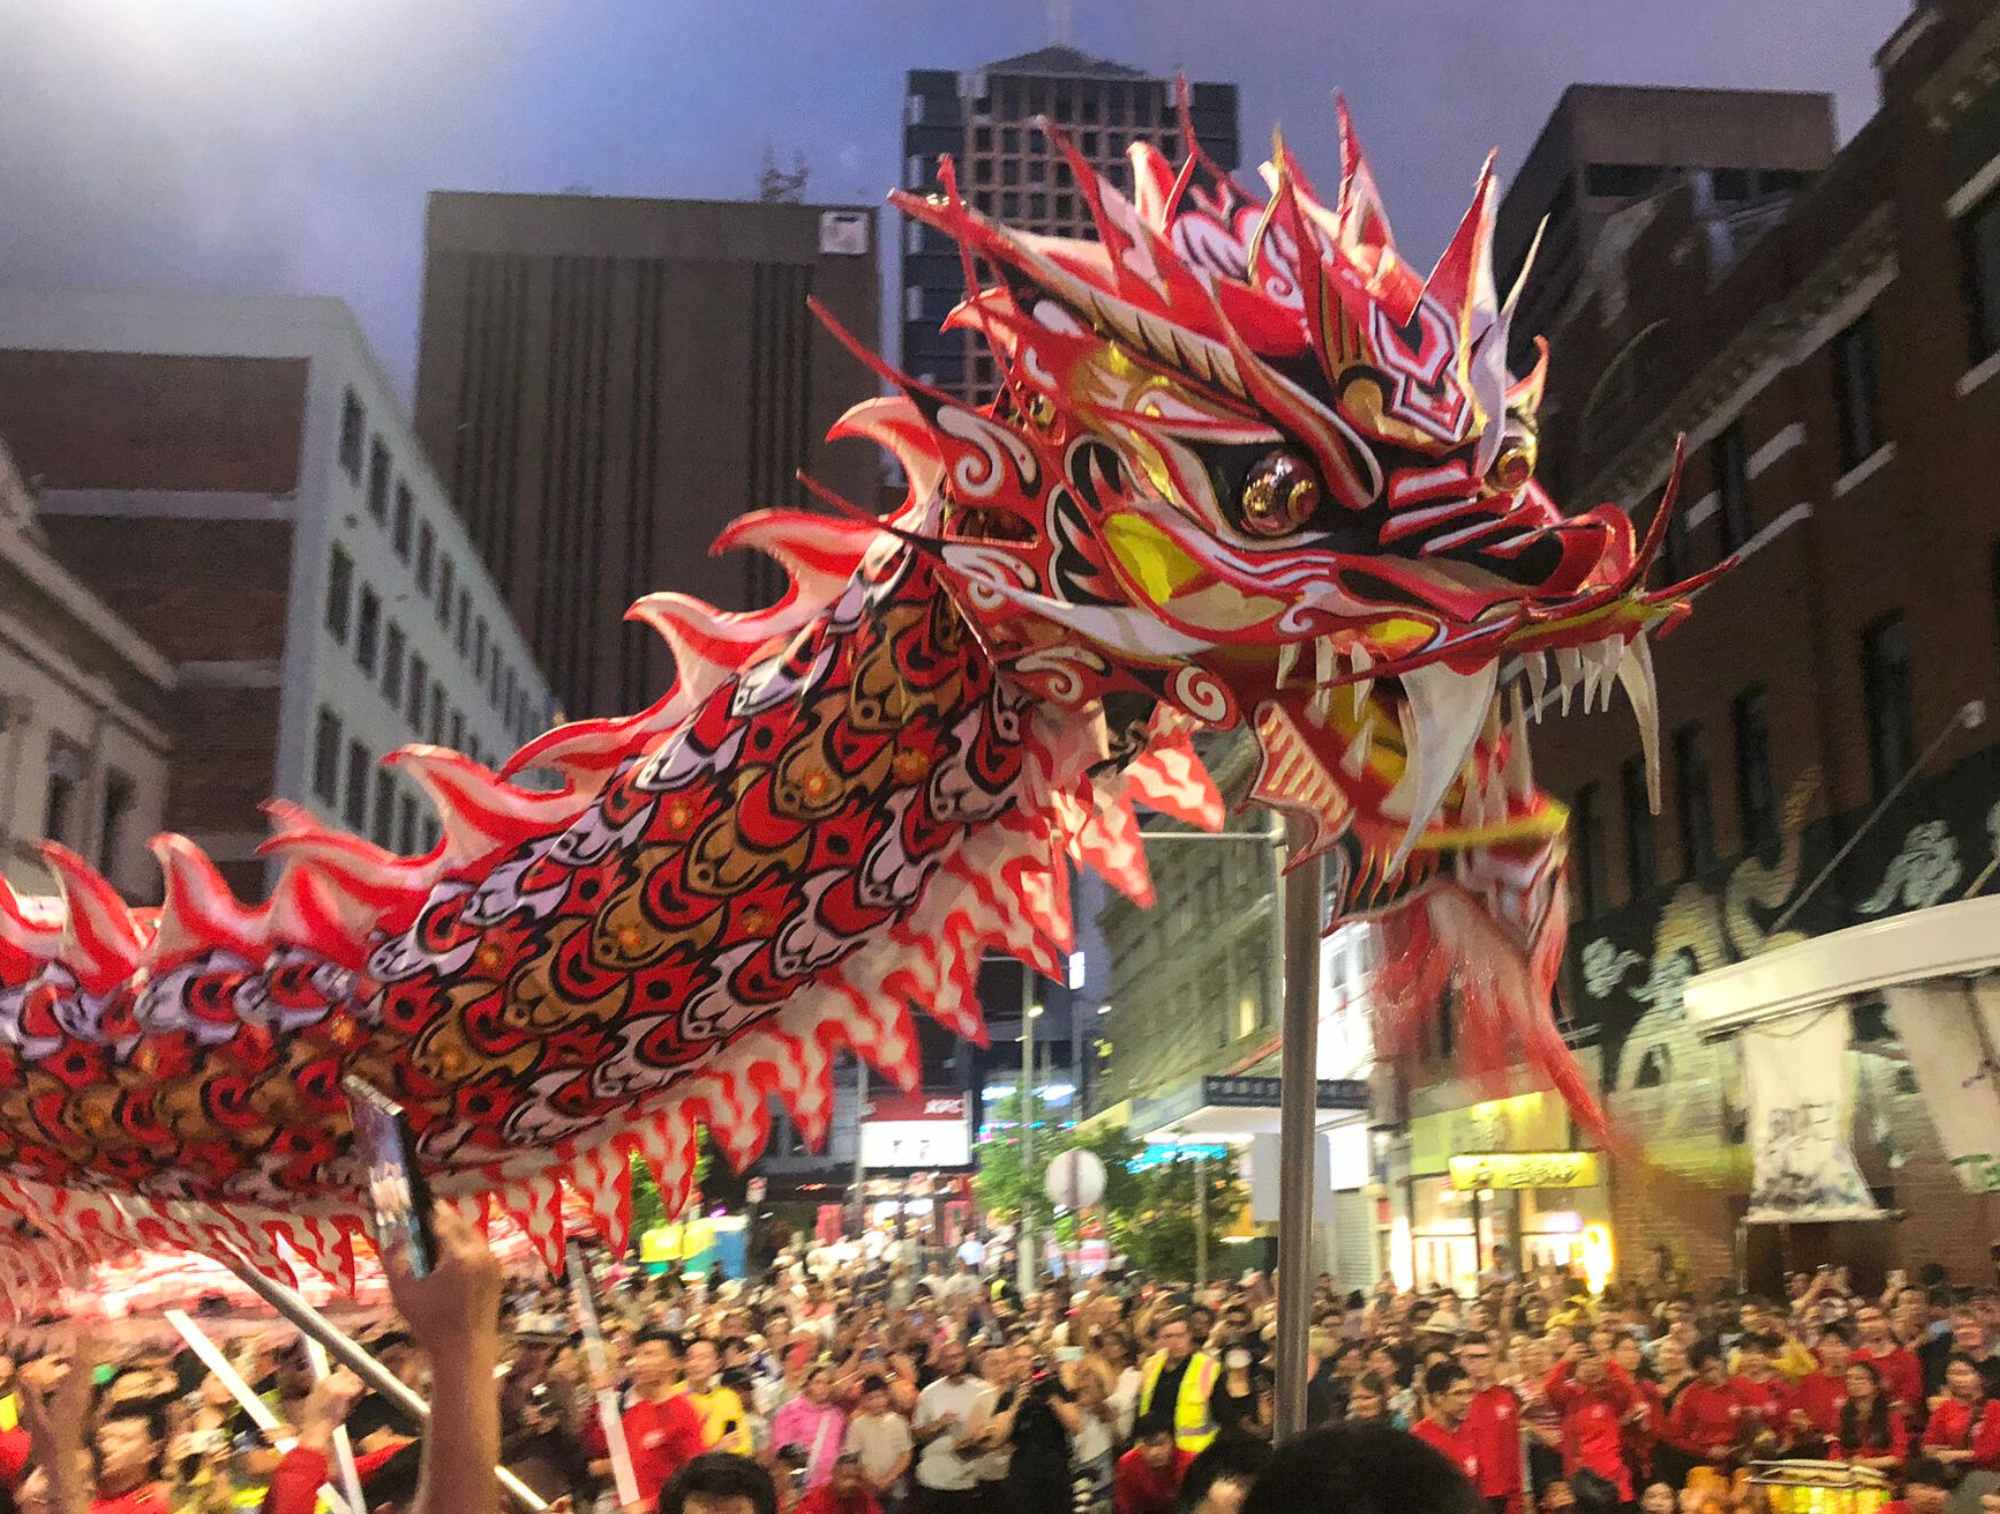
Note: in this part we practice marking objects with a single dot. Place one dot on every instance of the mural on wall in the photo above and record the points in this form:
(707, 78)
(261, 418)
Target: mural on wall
(1942, 843)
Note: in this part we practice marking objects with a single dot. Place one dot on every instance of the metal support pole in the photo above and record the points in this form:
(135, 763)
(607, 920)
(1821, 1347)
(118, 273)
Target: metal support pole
(1200, 1217)
(1298, 1115)
(349, 1354)
(860, 1159)
(1025, 1268)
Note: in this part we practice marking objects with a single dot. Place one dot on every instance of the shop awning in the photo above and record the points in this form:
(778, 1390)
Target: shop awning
(1215, 1107)
(1946, 941)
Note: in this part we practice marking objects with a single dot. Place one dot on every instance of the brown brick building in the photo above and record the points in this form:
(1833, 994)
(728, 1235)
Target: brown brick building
(235, 479)
(1830, 351)
(605, 383)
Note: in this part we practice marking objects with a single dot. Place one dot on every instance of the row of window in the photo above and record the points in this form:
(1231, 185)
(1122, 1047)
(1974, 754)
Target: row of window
(369, 800)
(1624, 181)
(1885, 671)
(1979, 245)
(1857, 409)
(433, 571)
(63, 813)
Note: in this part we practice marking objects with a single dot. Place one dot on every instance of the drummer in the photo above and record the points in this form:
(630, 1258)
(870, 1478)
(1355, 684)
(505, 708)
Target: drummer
(1926, 1491)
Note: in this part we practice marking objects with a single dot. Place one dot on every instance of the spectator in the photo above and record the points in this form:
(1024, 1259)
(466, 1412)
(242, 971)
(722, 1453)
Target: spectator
(1964, 1429)
(663, 1430)
(717, 1482)
(1595, 1399)
(1447, 1397)
(845, 1491)
(1902, 1375)
(1149, 1476)
(1177, 1380)
(1708, 1417)
(1360, 1469)
(725, 1422)
(951, 1414)
(1871, 1431)
(880, 1437)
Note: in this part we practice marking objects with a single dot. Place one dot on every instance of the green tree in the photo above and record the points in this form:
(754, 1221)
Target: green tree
(1157, 1233)
(1004, 1187)
(649, 1209)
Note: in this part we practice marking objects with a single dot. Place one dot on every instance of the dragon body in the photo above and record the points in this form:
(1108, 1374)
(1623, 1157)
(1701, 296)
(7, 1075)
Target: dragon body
(1246, 469)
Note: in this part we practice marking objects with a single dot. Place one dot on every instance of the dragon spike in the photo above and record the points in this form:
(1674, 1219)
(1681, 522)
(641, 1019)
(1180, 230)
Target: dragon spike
(1656, 529)
(1635, 673)
(362, 880)
(102, 939)
(481, 812)
(893, 423)
(201, 911)
(1521, 278)
(1364, 224)
(1525, 395)
(819, 555)
(28, 935)
(710, 646)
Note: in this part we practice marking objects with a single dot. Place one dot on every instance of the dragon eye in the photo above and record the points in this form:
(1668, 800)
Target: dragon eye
(1516, 463)
(1280, 495)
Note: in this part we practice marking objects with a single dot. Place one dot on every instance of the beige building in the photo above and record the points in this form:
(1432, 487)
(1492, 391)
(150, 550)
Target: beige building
(83, 740)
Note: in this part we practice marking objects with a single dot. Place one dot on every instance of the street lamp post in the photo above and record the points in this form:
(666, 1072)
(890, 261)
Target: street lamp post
(1025, 1268)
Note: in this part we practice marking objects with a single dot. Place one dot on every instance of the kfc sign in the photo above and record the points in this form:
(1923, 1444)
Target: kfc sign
(916, 1130)
(916, 1106)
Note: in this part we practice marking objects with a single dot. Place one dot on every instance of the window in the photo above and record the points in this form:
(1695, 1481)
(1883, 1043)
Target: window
(384, 829)
(913, 303)
(354, 809)
(368, 630)
(406, 825)
(1856, 376)
(1730, 460)
(392, 666)
(1756, 801)
(1885, 682)
(1674, 554)
(1979, 239)
(444, 590)
(1619, 181)
(1731, 183)
(353, 427)
(326, 757)
(1692, 801)
(437, 715)
(458, 730)
(66, 775)
(119, 797)
(1641, 866)
(426, 553)
(1587, 828)
(339, 591)
(378, 479)
(479, 650)
(406, 511)
(420, 673)
(464, 620)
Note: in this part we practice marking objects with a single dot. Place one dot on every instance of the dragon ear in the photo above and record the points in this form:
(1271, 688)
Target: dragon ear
(1364, 224)
(200, 911)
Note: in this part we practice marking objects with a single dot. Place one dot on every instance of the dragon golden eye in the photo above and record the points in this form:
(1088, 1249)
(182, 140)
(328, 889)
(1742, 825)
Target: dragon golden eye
(1280, 495)
(1515, 465)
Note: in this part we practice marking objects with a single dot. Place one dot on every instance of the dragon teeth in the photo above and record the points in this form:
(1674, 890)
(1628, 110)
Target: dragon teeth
(1635, 672)
(1288, 659)
(1356, 755)
(1569, 671)
(1445, 711)
(1326, 661)
(1538, 677)
(1363, 661)
(1519, 770)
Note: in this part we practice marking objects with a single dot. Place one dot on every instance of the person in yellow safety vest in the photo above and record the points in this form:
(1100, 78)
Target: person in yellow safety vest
(1177, 1375)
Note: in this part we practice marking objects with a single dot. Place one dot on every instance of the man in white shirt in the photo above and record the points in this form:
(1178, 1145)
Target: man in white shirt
(950, 1414)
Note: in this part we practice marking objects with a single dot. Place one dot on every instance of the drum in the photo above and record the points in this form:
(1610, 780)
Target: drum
(1820, 1487)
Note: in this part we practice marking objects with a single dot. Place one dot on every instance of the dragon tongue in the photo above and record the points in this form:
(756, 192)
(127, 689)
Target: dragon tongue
(1447, 711)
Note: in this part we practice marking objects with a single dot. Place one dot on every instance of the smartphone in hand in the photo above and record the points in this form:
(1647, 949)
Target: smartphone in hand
(397, 1192)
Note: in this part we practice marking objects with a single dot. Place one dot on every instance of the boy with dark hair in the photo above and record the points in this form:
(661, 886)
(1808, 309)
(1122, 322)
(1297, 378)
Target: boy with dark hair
(718, 1483)
(1147, 1479)
(1360, 1469)
(1447, 1397)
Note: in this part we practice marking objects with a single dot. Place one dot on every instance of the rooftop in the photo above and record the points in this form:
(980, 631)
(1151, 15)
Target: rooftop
(1063, 61)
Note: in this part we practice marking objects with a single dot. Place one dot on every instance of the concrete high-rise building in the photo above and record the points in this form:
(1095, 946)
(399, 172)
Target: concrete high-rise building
(1608, 145)
(236, 479)
(604, 383)
(1009, 170)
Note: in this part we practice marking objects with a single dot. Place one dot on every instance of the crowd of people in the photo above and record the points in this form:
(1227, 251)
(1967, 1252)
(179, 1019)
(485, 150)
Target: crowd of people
(875, 1384)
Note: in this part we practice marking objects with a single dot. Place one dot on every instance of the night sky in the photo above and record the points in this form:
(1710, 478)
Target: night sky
(286, 145)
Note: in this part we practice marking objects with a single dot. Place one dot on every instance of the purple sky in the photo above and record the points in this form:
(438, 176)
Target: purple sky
(246, 145)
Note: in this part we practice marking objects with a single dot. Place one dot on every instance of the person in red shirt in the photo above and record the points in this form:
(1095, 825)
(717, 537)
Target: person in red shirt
(1965, 1426)
(1147, 1479)
(1764, 1392)
(1902, 1373)
(1641, 1430)
(1817, 1398)
(1493, 1420)
(1447, 1395)
(129, 1447)
(845, 1492)
(1872, 1431)
(1595, 1398)
(1708, 1416)
(662, 1429)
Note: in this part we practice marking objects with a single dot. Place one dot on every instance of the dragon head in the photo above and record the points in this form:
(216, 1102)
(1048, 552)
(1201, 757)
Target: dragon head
(1247, 464)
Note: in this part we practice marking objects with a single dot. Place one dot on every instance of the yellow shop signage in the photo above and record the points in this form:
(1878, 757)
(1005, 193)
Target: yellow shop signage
(1526, 1169)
